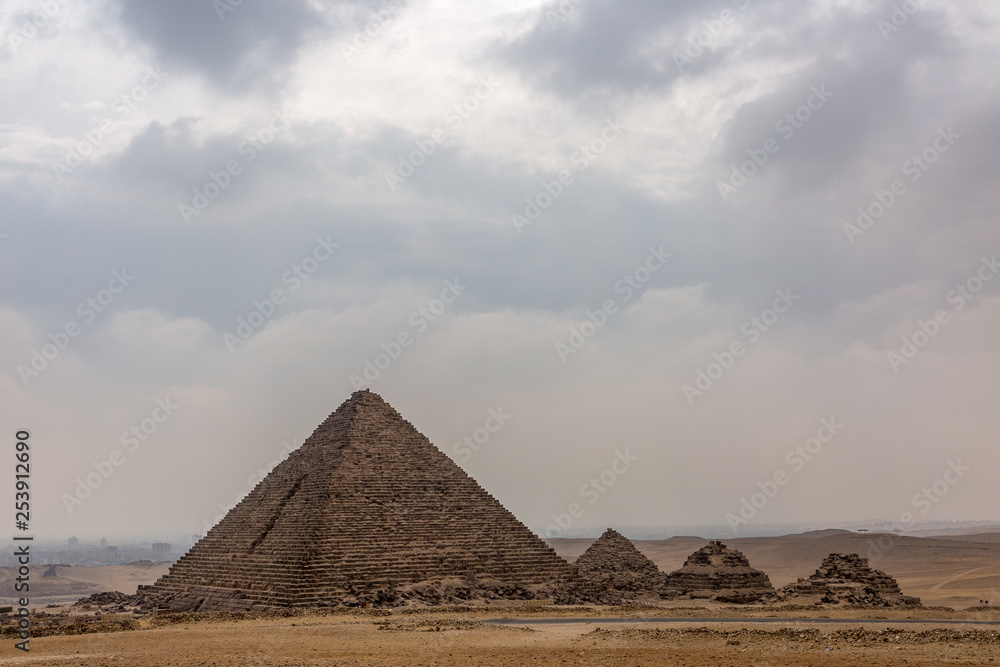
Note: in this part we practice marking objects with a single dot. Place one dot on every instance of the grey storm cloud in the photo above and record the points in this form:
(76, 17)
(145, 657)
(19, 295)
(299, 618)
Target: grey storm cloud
(237, 45)
(566, 69)
(862, 93)
(577, 46)
(599, 46)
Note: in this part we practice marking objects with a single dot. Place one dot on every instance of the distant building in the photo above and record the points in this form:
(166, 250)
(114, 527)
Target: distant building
(104, 543)
(161, 548)
(112, 553)
(72, 542)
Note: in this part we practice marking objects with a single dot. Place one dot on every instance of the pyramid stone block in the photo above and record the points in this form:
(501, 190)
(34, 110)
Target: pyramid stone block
(612, 571)
(848, 578)
(367, 510)
(717, 571)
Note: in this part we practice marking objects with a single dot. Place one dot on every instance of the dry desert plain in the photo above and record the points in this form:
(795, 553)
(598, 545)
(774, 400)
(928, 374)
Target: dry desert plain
(955, 571)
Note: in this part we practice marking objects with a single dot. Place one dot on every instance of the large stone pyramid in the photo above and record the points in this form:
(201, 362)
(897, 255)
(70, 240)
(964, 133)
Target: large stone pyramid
(367, 510)
(719, 572)
(612, 570)
(850, 579)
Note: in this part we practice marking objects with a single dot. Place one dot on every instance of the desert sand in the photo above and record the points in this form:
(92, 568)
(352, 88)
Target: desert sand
(461, 638)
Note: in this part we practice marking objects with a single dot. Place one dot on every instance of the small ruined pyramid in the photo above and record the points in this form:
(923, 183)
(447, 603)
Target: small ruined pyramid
(716, 571)
(849, 578)
(367, 510)
(613, 570)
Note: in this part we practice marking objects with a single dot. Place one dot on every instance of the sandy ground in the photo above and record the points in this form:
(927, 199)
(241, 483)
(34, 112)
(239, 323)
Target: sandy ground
(458, 639)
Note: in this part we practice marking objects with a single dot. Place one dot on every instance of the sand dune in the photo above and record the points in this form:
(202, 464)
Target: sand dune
(990, 538)
(954, 532)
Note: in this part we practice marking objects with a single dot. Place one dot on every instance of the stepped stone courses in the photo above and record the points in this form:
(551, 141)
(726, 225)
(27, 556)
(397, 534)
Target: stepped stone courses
(715, 571)
(367, 510)
(847, 578)
(612, 571)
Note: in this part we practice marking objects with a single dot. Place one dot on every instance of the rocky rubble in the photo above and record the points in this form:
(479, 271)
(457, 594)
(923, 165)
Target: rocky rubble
(849, 579)
(115, 602)
(850, 636)
(456, 591)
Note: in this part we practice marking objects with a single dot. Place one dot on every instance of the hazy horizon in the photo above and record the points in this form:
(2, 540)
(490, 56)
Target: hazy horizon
(720, 532)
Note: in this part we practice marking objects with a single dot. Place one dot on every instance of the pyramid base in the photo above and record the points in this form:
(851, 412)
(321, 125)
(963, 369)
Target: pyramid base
(726, 595)
(210, 598)
(430, 593)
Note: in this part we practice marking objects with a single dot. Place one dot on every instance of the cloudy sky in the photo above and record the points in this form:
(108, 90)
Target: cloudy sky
(732, 261)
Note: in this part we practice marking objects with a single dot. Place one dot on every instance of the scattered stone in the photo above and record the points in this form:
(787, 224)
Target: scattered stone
(852, 636)
(144, 601)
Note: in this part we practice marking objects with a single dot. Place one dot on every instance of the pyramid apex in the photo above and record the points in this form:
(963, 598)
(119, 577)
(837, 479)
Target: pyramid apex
(364, 394)
(363, 401)
(365, 397)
